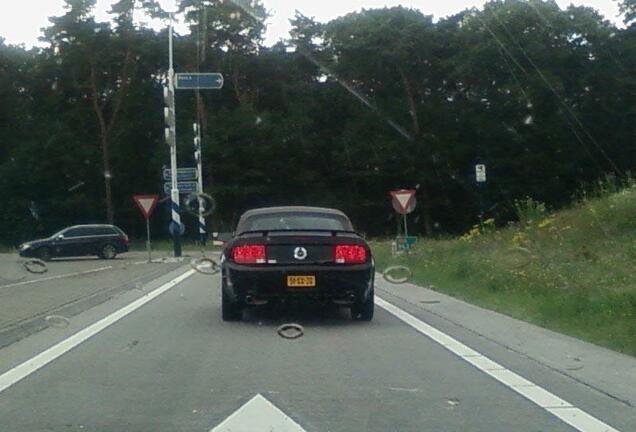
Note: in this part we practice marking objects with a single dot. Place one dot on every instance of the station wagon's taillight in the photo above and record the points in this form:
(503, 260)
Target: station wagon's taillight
(350, 254)
(249, 254)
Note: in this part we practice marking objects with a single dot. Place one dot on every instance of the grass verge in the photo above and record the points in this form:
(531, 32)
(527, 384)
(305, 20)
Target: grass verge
(572, 271)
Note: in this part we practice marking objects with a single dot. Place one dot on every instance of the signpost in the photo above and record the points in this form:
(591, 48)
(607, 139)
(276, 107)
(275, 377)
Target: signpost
(147, 204)
(403, 201)
(480, 178)
(199, 81)
(198, 157)
(480, 173)
(405, 243)
(183, 174)
(185, 188)
(171, 139)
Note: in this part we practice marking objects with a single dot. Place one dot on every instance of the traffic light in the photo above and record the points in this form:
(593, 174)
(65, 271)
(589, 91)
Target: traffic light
(197, 142)
(169, 116)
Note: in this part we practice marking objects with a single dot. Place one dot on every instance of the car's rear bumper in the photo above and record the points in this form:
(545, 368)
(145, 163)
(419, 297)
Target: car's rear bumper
(266, 284)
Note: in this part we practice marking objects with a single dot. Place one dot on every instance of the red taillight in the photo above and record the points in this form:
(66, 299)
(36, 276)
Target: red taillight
(126, 240)
(350, 254)
(249, 254)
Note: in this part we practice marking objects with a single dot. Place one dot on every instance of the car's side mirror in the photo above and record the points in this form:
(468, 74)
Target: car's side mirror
(60, 237)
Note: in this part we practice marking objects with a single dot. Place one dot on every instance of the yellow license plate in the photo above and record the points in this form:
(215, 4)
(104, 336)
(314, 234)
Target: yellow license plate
(301, 281)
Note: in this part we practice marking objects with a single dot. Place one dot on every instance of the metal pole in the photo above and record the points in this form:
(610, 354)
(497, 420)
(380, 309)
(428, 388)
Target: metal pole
(406, 233)
(174, 193)
(148, 239)
(198, 156)
(481, 207)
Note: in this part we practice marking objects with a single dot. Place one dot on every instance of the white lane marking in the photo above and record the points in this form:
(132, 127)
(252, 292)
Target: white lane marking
(25, 369)
(168, 260)
(556, 406)
(402, 389)
(65, 275)
(258, 415)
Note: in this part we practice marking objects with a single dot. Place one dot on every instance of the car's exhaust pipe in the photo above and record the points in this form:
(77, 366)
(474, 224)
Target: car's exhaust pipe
(253, 301)
(350, 299)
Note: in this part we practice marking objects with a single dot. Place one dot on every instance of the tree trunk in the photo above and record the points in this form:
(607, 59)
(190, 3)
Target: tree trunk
(106, 128)
(110, 211)
(410, 99)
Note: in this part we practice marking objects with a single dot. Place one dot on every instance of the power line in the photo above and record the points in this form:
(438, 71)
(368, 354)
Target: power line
(559, 98)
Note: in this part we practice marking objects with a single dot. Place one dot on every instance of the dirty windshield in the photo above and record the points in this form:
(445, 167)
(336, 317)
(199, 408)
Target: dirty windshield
(304, 215)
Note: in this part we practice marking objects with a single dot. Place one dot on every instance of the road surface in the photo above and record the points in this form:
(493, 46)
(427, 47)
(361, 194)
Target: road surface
(159, 358)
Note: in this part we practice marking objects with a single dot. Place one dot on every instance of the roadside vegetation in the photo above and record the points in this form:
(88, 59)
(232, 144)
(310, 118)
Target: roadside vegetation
(571, 271)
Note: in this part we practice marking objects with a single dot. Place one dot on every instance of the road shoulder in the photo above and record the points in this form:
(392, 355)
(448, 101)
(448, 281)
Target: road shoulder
(603, 370)
(28, 347)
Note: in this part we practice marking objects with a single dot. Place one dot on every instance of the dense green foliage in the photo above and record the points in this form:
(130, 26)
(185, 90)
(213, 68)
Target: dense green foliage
(337, 115)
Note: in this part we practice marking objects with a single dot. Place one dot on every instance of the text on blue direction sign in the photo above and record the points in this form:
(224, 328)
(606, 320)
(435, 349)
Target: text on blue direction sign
(195, 81)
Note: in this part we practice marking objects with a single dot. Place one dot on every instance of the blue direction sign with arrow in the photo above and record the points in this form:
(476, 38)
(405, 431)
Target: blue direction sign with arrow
(183, 174)
(199, 81)
(186, 187)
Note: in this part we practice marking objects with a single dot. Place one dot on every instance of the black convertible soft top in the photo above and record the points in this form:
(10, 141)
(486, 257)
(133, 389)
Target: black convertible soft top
(293, 209)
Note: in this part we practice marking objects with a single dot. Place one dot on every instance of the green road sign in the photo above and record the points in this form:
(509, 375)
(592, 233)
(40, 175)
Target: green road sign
(405, 243)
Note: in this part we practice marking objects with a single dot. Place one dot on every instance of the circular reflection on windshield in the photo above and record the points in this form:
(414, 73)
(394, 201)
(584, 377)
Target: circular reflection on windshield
(57, 321)
(291, 331)
(204, 200)
(205, 265)
(35, 265)
(397, 274)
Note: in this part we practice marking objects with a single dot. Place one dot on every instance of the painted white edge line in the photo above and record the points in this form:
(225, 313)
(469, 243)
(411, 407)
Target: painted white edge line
(65, 275)
(575, 417)
(25, 369)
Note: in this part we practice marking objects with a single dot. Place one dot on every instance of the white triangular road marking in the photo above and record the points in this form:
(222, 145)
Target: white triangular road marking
(403, 198)
(257, 415)
(146, 203)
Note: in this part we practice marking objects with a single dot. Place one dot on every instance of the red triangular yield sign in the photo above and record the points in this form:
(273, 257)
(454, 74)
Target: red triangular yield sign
(402, 200)
(146, 203)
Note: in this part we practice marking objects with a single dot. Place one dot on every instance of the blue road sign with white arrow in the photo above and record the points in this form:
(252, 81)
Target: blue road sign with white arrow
(184, 187)
(199, 81)
(183, 174)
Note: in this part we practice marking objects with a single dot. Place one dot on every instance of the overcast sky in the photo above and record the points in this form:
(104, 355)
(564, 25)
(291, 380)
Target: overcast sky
(21, 22)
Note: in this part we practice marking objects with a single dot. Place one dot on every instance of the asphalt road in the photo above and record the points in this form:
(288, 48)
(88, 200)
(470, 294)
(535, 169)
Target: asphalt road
(159, 358)
(66, 287)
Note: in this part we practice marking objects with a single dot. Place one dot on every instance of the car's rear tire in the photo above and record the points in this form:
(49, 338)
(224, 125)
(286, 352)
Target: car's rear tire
(108, 252)
(230, 310)
(364, 311)
(44, 254)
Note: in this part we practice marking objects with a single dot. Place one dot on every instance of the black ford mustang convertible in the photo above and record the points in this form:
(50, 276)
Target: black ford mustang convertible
(296, 254)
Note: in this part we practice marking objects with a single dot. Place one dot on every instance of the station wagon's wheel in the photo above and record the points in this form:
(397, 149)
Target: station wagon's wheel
(364, 310)
(44, 254)
(108, 252)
